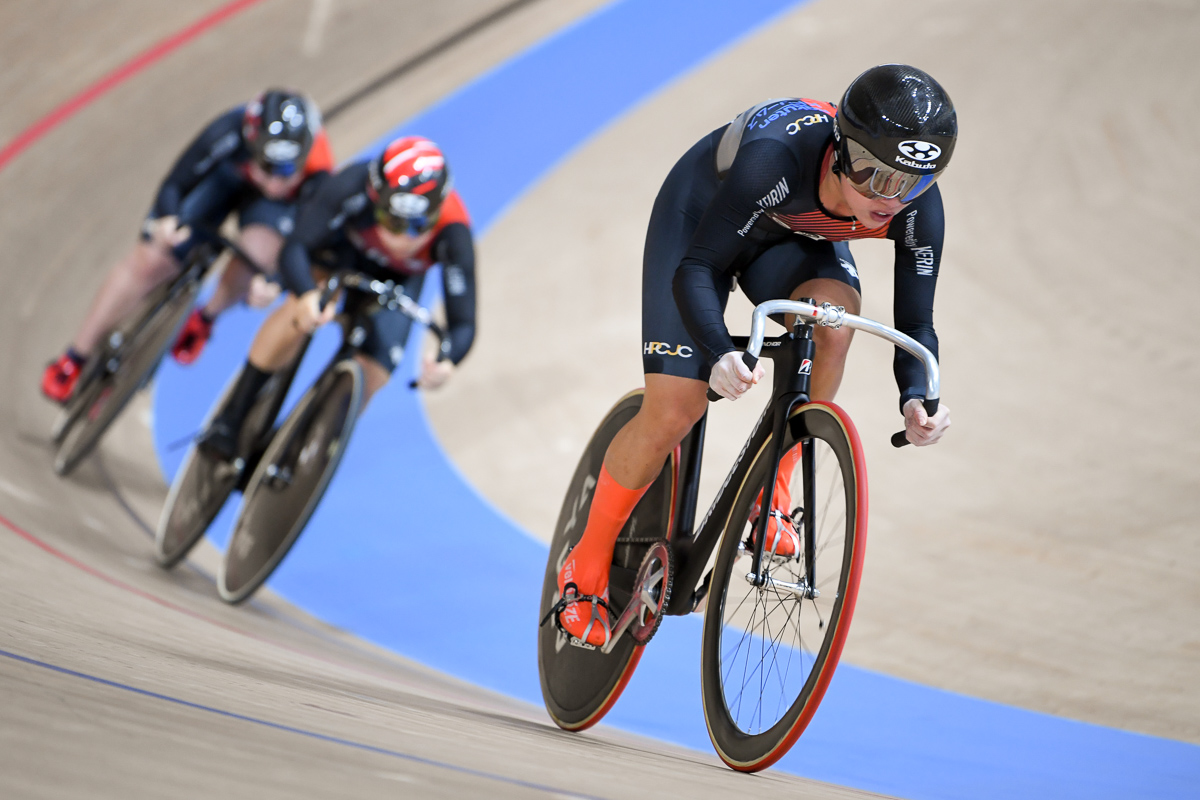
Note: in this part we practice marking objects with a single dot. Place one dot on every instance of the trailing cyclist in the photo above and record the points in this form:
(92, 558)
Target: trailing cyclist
(392, 218)
(254, 159)
(768, 203)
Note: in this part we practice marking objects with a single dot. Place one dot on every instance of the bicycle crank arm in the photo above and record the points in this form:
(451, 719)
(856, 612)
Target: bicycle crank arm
(801, 589)
(651, 592)
(641, 605)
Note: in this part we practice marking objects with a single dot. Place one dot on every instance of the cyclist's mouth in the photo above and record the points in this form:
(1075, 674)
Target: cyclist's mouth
(882, 217)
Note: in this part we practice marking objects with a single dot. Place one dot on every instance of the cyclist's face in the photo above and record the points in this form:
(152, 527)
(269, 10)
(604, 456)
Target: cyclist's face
(274, 187)
(402, 244)
(870, 211)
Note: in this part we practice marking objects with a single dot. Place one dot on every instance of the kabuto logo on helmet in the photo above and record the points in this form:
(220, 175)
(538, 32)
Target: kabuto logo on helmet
(403, 204)
(282, 151)
(919, 151)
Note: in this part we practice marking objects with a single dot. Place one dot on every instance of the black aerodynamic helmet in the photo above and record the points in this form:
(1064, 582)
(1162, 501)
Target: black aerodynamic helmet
(894, 132)
(279, 127)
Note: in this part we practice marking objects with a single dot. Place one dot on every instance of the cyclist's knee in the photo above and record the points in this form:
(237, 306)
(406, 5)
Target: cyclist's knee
(672, 406)
(375, 375)
(262, 243)
(826, 290)
(152, 263)
(833, 343)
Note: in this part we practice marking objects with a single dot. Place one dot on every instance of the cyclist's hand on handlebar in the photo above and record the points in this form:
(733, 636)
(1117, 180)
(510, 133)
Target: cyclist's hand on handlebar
(434, 373)
(922, 429)
(309, 315)
(166, 233)
(261, 292)
(731, 378)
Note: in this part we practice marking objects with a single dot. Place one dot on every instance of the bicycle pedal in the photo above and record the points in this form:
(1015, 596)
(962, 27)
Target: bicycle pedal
(277, 478)
(575, 642)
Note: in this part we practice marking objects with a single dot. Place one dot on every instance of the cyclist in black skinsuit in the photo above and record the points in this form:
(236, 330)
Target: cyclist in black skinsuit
(393, 218)
(254, 159)
(769, 201)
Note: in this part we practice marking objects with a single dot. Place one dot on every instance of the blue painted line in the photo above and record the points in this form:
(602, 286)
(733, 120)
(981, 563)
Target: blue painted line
(403, 553)
(370, 748)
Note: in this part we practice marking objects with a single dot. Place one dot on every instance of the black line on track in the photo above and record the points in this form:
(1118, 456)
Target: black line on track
(428, 54)
(115, 491)
(429, 762)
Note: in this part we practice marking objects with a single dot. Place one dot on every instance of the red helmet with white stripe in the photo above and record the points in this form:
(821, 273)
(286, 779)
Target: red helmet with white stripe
(408, 182)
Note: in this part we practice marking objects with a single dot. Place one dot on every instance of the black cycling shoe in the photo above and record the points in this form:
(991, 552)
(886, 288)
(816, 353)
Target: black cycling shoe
(219, 442)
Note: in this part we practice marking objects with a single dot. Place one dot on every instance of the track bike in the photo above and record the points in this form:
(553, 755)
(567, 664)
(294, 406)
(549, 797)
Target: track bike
(127, 358)
(774, 627)
(282, 470)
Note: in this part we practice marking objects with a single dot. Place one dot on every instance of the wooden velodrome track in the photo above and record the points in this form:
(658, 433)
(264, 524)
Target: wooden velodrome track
(1044, 556)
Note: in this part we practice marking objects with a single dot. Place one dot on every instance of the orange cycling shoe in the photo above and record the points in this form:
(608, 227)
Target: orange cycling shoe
(586, 616)
(58, 381)
(192, 337)
(782, 537)
(582, 610)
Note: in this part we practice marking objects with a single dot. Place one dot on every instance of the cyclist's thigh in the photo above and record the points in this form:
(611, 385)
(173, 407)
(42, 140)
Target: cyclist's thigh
(386, 331)
(781, 269)
(667, 348)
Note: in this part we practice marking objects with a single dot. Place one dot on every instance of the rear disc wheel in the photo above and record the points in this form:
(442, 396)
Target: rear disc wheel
(580, 685)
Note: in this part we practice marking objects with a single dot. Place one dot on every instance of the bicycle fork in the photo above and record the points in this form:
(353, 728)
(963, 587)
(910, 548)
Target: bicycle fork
(793, 381)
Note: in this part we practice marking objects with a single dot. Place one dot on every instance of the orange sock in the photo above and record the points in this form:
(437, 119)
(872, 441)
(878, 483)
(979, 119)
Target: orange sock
(781, 498)
(588, 563)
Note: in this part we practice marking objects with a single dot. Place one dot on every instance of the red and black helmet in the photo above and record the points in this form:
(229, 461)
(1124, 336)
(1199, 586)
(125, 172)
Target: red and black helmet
(408, 183)
(279, 127)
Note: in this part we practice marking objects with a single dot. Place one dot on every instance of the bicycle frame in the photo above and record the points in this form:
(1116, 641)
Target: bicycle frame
(793, 355)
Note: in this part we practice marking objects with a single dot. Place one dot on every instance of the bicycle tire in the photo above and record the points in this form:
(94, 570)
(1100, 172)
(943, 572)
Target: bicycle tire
(271, 519)
(91, 373)
(580, 685)
(203, 485)
(103, 402)
(784, 646)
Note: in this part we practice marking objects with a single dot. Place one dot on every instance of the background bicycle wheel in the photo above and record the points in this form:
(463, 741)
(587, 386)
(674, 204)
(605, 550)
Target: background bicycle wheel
(1055, 562)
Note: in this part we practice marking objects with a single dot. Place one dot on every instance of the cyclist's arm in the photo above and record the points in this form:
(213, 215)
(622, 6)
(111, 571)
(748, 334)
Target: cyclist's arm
(455, 251)
(918, 231)
(320, 219)
(736, 209)
(219, 140)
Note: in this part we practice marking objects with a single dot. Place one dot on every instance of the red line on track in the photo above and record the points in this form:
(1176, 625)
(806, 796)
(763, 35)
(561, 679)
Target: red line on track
(118, 76)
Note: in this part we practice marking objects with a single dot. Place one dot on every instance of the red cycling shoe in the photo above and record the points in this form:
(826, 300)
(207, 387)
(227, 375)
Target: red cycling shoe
(58, 381)
(192, 338)
(585, 617)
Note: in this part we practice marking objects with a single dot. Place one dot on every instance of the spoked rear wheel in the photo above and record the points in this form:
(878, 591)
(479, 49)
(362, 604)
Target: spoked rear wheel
(202, 484)
(770, 651)
(580, 685)
(103, 400)
(290, 479)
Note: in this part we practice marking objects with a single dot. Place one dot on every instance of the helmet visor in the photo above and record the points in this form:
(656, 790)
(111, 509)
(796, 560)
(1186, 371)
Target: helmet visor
(281, 157)
(405, 212)
(870, 177)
